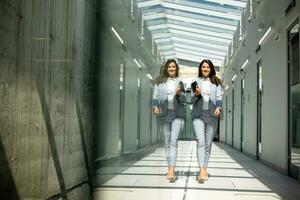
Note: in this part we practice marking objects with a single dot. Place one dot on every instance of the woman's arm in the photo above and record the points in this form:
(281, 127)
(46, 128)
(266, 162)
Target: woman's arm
(155, 100)
(155, 96)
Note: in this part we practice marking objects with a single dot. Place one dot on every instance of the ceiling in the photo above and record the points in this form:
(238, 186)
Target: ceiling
(191, 30)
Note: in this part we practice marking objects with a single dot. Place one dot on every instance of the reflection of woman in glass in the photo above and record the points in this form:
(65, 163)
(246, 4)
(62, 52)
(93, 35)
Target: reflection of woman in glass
(207, 104)
(168, 98)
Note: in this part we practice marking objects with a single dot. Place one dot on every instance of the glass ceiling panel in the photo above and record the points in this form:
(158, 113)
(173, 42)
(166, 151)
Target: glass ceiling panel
(197, 58)
(192, 29)
(211, 18)
(189, 35)
(235, 3)
(171, 29)
(189, 19)
(196, 53)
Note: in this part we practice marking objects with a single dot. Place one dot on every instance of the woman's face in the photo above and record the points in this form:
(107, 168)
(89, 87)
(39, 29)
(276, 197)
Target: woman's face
(205, 69)
(171, 70)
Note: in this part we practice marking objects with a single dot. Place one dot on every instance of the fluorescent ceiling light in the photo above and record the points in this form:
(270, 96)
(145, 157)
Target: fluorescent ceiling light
(149, 76)
(118, 36)
(227, 86)
(233, 78)
(245, 64)
(264, 37)
(137, 63)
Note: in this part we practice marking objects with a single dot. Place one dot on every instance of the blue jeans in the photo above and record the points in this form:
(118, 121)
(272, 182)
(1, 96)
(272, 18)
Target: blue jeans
(204, 130)
(171, 127)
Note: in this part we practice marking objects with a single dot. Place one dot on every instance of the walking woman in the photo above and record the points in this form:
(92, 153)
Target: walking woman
(207, 106)
(168, 105)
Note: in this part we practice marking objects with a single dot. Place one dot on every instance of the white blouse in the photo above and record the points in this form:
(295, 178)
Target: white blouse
(205, 92)
(171, 84)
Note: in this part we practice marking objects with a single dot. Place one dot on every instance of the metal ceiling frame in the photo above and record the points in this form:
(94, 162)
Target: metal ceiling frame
(192, 30)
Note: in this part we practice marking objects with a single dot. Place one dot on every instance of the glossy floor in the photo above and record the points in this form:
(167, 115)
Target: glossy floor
(233, 176)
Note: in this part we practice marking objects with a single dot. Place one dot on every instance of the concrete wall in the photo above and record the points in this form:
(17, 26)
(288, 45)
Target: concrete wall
(273, 54)
(47, 91)
(112, 140)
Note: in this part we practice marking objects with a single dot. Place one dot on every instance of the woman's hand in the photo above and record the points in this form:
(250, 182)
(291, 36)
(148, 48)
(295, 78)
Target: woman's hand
(217, 112)
(156, 111)
(197, 91)
(178, 91)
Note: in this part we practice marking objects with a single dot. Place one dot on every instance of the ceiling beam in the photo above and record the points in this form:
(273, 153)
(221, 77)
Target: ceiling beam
(170, 26)
(198, 59)
(183, 6)
(201, 54)
(153, 16)
(236, 3)
(185, 34)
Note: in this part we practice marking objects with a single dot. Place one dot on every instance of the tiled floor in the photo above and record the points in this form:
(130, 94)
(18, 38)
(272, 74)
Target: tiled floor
(233, 176)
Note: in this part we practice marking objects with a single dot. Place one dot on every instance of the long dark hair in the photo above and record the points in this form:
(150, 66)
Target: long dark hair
(212, 75)
(163, 73)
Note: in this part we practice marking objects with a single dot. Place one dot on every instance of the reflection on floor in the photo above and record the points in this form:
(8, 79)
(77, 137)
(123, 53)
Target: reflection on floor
(233, 176)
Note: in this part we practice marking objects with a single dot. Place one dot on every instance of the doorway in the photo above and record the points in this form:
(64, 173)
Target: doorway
(259, 107)
(121, 111)
(242, 112)
(294, 101)
(139, 99)
(226, 118)
(232, 117)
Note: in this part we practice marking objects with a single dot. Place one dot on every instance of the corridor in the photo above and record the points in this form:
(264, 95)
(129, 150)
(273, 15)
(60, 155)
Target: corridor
(233, 176)
(79, 104)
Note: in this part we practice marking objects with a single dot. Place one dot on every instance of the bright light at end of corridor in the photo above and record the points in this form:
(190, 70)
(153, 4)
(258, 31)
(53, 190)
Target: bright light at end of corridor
(118, 36)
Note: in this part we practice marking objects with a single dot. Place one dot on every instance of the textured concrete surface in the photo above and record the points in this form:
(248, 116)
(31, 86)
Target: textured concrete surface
(47, 91)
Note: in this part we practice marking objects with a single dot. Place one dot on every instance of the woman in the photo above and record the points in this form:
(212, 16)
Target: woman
(168, 106)
(207, 106)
